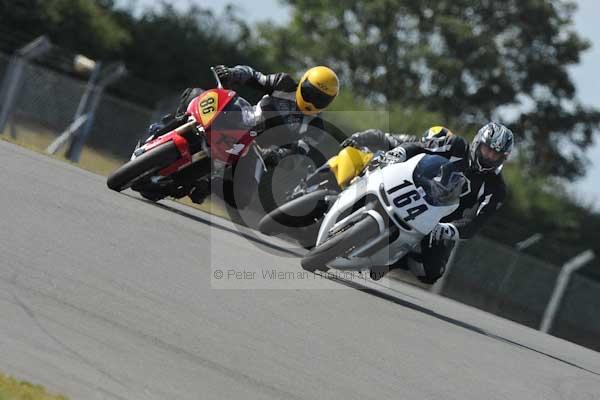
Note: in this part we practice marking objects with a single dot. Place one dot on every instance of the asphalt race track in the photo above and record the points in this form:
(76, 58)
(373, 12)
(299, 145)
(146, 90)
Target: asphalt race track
(106, 296)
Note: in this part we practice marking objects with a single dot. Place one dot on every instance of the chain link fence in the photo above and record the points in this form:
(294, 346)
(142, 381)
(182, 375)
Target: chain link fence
(513, 285)
(47, 102)
(47, 98)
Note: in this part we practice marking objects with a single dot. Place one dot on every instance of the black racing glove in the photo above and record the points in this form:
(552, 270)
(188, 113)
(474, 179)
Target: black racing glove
(223, 73)
(395, 155)
(349, 142)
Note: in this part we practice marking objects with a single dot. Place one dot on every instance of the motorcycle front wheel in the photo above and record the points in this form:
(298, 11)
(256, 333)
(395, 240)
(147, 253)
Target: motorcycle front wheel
(341, 244)
(153, 160)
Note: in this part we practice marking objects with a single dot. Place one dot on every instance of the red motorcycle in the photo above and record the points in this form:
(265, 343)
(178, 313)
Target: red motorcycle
(213, 135)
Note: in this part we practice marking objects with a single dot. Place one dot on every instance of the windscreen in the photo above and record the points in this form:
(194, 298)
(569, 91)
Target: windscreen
(238, 115)
(441, 180)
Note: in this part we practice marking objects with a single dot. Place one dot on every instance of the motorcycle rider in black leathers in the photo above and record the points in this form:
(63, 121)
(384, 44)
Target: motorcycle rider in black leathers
(377, 140)
(483, 194)
(289, 107)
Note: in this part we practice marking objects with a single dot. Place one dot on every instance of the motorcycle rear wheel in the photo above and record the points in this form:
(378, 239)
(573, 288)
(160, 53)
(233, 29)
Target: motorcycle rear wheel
(298, 213)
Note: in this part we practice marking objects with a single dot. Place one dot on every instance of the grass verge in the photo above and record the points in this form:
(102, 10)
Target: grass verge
(38, 139)
(13, 389)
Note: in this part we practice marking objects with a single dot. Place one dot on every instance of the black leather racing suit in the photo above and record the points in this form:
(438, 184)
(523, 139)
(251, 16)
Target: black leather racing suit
(377, 140)
(482, 195)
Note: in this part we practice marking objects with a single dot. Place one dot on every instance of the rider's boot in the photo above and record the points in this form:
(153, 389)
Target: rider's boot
(376, 273)
(200, 191)
(410, 262)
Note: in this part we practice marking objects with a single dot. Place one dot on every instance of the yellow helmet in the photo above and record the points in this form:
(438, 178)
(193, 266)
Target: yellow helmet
(436, 132)
(316, 90)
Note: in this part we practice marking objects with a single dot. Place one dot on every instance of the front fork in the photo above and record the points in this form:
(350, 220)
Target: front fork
(261, 166)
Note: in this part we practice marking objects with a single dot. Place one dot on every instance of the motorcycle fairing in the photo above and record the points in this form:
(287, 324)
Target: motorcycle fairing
(408, 201)
(206, 106)
(378, 183)
(180, 143)
(226, 145)
(229, 146)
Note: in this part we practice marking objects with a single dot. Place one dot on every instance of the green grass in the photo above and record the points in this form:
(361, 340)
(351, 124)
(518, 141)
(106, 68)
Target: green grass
(37, 138)
(13, 389)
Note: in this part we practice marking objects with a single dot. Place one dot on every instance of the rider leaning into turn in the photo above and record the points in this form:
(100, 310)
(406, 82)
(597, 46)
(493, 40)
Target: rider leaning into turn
(377, 140)
(286, 103)
(481, 163)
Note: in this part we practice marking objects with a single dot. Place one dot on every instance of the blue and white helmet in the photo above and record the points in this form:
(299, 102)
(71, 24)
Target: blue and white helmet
(491, 146)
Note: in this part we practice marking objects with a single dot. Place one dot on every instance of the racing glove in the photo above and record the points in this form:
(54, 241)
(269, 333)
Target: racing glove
(443, 231)
(349, 142)
(223, 73)
(395, 155)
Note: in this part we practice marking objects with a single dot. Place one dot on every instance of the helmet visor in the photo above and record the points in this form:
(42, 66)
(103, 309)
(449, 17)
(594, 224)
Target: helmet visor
(314, 96)
(489, 158)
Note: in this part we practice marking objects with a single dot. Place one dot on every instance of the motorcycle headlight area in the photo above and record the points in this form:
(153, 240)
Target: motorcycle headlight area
(441, 180)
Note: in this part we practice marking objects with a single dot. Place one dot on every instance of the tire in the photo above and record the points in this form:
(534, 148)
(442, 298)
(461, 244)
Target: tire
(359, 233)
(265, 191)
(153, 160)
(298, 213)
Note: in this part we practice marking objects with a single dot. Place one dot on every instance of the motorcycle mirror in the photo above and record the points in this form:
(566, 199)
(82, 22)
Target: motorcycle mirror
(219, 85)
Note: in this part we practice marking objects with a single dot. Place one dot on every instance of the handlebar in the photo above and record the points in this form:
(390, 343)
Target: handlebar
(219, 84)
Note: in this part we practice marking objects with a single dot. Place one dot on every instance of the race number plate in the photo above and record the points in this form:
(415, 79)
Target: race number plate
(207, 107)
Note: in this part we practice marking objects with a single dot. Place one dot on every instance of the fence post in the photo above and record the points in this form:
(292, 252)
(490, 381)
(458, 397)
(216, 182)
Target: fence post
(79, 119)
(13, 77)
(89, 87)
(519, 247)
(561, 285)
(76, 146)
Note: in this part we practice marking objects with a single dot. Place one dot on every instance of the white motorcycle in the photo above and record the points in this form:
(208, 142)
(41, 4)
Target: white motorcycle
(385, 213)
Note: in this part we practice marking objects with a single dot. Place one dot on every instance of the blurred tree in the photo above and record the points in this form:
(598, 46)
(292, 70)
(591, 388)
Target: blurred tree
(465, 59)
(176, 48)
(79, 25)
(165, 49)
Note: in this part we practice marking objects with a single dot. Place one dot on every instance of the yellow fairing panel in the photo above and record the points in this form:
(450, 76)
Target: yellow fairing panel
(348, 164)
